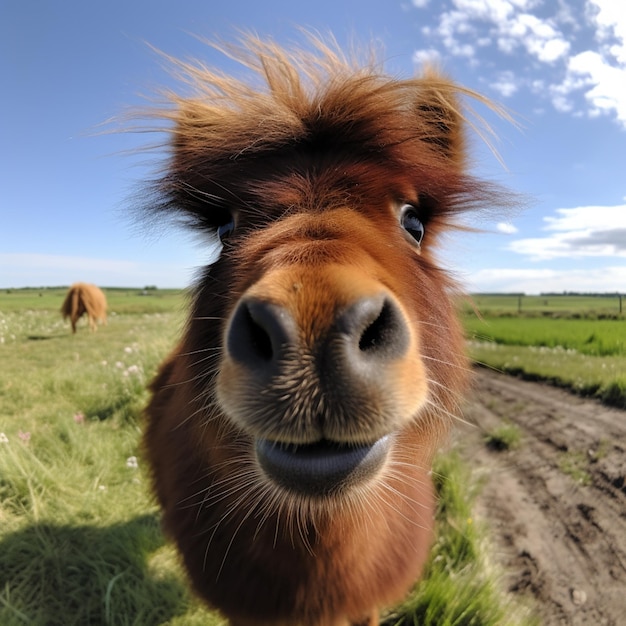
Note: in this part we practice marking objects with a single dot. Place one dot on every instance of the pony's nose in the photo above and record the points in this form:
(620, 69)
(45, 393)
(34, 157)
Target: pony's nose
(363, 337)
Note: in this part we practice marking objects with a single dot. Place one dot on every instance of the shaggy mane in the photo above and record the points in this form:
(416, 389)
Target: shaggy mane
(292, 103)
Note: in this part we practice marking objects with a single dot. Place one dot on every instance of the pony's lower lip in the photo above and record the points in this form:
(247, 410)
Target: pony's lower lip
(322, 467)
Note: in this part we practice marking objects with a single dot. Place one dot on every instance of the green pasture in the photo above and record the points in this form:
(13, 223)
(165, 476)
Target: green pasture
(549, 305)
(80, 540)
(577, 343)
(592, 337)
(120, 300)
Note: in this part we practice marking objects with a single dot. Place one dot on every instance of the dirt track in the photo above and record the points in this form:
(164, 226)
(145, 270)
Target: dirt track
(556, 505)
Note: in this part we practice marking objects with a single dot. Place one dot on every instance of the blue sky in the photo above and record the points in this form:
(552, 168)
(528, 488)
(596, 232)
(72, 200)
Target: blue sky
(67, 67)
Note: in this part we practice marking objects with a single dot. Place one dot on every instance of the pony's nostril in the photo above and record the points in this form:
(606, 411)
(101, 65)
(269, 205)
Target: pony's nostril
(381, 332)
(260, 340)
(376, 327)
(259, 332)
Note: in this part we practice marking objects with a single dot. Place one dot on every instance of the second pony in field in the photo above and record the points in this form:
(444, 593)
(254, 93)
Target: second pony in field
(84, 298)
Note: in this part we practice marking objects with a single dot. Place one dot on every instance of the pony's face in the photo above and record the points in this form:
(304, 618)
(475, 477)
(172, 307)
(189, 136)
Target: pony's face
(338, 336)
(321, 360)
(337, 331)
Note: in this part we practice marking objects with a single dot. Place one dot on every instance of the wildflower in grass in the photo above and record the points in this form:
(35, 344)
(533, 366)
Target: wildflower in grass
(133, 369)
(119, 365)
(3, 438)
(128, 349)
(24, 436)
(79, 418)
(131, 462)
(104, 362)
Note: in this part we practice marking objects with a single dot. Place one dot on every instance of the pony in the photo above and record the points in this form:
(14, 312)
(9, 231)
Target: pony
(291, 432)
(84, 298)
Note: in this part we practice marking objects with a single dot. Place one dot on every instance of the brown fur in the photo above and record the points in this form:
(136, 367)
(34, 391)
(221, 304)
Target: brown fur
(84, 298)
(314, 168)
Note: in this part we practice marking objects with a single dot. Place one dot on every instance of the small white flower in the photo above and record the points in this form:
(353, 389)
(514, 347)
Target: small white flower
(131, 461)
(128, 349)
(3, 438)
(119, 365)
(133, 369)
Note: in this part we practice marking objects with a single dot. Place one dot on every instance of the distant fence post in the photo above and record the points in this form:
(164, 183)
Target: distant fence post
(519, 304)
(619, 295)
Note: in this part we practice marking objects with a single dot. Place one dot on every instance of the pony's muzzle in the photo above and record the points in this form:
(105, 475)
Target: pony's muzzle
(264, 337)
(344, 364)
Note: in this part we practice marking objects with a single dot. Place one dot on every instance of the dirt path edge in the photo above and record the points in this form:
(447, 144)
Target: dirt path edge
(555, 504)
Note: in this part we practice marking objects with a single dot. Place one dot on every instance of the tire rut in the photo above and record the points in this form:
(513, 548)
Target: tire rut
(556, 504)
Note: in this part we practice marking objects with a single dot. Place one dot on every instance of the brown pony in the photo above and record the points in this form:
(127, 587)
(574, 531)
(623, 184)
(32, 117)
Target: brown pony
(84, 298)
(292, 430)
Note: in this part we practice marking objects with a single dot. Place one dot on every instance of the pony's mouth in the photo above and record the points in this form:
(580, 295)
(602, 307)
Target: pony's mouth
(320, 468)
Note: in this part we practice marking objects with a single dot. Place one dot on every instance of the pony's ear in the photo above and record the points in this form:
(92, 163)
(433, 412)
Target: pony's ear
(440, 118)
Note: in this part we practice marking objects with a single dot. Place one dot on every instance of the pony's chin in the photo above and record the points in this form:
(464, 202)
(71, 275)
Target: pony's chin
(323, 468)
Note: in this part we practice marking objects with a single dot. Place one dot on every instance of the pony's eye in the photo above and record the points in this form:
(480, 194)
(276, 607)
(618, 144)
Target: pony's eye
(225, 230)
(412, 223)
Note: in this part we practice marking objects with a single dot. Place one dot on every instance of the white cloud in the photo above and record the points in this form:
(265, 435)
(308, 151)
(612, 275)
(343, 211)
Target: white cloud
(506, 227)
(19, 261)
(593, 231)
(488, 10)
(451, 25)
(588, 217)
(539, 37)
(611, 22)
(583, 48)
(36, 270)
(506, 85)
(607, 92)
(507, 25)
(427, 56)
(609, 279)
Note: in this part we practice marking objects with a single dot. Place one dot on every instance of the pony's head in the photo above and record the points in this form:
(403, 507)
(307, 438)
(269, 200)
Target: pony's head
(291, 432)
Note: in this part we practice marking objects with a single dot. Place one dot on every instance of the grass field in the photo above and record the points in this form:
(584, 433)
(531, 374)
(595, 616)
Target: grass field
(588, 306)
(572, 341)
(80, 541)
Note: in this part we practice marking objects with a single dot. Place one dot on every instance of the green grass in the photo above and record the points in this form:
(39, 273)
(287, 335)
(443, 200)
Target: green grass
(571, 346)
(80, 541)
(120, 300)
(503, 437)
(601, 377)
(586, 336)
(561, 306)
(574, 463)
(461, 585)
